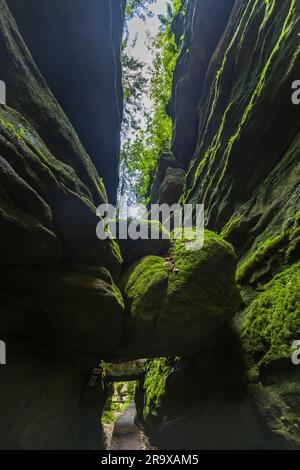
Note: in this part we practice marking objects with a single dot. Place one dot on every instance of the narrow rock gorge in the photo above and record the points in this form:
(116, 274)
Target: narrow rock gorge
(215, 325)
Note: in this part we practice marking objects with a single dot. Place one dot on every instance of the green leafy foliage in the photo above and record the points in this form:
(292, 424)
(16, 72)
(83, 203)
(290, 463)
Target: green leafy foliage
(145, 140)
(139, 8)
(134, 84)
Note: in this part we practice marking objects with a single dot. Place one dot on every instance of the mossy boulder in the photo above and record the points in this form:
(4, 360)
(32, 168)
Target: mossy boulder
(179, 303)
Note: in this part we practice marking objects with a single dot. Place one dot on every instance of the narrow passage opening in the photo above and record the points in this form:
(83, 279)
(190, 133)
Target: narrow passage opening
(121, 426)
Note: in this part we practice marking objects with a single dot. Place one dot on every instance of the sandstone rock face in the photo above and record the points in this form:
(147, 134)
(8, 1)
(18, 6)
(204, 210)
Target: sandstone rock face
(202, 25)
(235, 149)
(236, 129)
(60, 308)
(28, 93)
(46, 402)
(51, 310)
(167, 164)
(172, 186)
(247, 120)
(69, 307)
(76, 46)
(178, 304)
(48, 212)
(220, 414)
(123, 371)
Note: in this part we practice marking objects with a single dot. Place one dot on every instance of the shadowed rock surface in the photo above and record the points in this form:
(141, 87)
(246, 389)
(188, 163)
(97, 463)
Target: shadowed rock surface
(155, 240)
(124, 371)
(202, 25)
(167, 164)
(28, 93)
(57, 293)
(224, 382)
(237, 130)
(76, 46)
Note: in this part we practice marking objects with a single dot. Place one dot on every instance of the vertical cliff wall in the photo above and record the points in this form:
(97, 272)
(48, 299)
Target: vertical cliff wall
(76, 46)
(236, 131)
(60, 309)
(202, 25)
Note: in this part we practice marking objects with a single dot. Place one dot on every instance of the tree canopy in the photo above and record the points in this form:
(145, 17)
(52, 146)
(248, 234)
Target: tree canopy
(145, 137)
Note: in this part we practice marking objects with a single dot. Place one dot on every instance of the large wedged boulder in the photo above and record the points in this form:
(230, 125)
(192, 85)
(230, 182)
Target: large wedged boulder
(178, 304)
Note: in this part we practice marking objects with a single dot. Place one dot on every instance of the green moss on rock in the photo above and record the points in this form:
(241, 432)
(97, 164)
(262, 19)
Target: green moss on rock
(190, 290)
(275, 252)
(144, 285)
(198, 275)
(262, 253)
(29, 94)
(156, 372)
(230, 227)
(273, 320)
